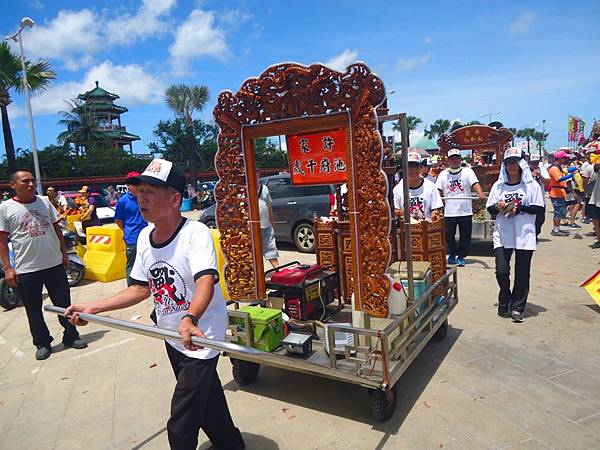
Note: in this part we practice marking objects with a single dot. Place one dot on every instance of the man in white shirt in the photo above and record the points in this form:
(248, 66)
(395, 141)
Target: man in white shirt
(542, 177)
(425, 201)
(589, 178)
(176, 265)
(457, 183)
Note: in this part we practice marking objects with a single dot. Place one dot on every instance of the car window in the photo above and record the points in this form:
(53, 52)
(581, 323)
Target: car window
(280, 188)
(305, 191)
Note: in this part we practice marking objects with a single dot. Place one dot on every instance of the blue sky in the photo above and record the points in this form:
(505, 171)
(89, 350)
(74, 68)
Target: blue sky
(529, 60)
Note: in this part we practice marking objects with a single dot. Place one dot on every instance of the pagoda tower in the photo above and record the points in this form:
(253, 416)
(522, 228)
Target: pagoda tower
(101, 103)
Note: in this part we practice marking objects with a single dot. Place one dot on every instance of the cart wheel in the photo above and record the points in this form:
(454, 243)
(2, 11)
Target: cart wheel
(441, 332)
(244, 372)
(382, 404)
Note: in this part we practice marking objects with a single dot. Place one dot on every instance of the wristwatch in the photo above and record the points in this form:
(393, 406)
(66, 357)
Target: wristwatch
(193, 318)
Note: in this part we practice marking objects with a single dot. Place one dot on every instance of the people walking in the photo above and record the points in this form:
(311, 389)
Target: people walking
(129, 218)
(540, 174)
(267, 226)
(558, 191)
(457, 184)
(176, 265)
(515, 200)
(31, 224)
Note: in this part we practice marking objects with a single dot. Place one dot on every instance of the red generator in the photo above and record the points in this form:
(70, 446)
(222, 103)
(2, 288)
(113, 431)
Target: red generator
(305, 288)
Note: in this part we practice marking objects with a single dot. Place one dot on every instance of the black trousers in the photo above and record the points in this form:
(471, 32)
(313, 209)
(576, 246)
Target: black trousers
(540, 218)
(130, 252)
(465, 230)
(517, 298)
(199, 402)
(30, 288)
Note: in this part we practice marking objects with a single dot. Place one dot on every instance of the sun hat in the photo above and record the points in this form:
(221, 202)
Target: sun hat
(513, 153)
(161, 172)
(414, 157)
(534, 158)
(130, 175)
(454, 152)
(560, 155)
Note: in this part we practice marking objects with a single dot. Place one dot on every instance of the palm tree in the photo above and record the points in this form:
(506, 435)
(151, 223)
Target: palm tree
(39, 77)
(473, 122)
(438, 128)
(183, 100)
(528, 134)
(540, 138)
(412, 122)
(81, 126)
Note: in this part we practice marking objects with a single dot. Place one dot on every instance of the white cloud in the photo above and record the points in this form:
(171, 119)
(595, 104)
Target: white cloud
(36, 4)
(131, 82)
(70, 33)
(234, 17)
(428, 40)
(197, 37)
(341, 61)
(523, 23)
(148, 20)
(412, 63)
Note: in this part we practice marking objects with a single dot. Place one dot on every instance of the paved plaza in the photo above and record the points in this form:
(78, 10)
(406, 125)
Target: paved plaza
(490, 384)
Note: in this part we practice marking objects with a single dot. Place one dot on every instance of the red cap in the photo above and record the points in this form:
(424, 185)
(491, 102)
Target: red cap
(132, 175)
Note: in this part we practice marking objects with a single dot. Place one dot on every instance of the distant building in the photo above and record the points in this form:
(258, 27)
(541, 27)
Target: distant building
(101, 103)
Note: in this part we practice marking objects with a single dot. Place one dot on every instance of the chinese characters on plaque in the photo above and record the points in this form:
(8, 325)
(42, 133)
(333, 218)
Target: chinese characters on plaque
(318, 158)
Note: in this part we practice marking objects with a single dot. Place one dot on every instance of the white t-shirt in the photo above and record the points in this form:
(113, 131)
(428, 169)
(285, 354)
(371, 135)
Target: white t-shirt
(457, 185)
(423, 199)
(587, 171)
(517, 231)
(264, 200)
(31, 231)
(170, 269)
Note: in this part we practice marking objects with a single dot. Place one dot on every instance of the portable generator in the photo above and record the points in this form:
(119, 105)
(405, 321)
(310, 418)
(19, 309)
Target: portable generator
(305, 288)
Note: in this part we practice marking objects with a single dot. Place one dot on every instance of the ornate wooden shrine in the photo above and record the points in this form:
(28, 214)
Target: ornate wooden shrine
(292, 98)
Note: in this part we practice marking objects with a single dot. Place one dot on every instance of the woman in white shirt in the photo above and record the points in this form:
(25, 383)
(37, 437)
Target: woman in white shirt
(515, 199)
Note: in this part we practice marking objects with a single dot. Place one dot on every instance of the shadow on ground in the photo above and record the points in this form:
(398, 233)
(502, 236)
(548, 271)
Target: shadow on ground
(595, 308)
(253, 441)
(89, 338)
(347, 400)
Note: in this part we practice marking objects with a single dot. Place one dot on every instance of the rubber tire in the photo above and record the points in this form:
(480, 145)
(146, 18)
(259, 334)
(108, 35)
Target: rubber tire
(244, 372)
(211, 224)
(9, 296)
(79, 277)
(380, 407)
(311, 229)
(441, 332)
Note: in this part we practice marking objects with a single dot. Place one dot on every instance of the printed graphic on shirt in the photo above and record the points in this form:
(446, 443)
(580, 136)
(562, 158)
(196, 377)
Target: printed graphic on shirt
(455, 186)
(168, 289)
(515, 197)
(417, 208)
(34, 223)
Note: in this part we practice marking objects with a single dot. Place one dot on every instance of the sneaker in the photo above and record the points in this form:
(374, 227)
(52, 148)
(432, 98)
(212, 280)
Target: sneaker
(574, 225)
(77, 343)
(517, 316)
(460, 262)
(43, 353)
(586, 220)
(595, 245)
(452, 259)
(559, 233)
(503, 312)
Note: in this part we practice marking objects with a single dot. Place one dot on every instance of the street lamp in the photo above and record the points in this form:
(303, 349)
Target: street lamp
(489, 115)
(26, 22)
(544, 122)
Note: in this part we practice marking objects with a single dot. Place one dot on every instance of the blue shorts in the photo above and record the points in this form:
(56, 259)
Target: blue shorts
(560, 207)
(267, 236)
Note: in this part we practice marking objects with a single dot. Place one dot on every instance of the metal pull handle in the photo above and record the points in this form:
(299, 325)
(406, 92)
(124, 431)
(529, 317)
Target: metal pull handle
(159, 333)
(291, 202)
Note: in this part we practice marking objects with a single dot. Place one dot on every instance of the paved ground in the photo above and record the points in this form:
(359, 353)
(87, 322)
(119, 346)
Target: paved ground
(490, 384)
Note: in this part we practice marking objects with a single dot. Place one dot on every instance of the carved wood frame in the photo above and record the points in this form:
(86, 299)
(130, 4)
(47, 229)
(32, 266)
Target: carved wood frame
(289, 98)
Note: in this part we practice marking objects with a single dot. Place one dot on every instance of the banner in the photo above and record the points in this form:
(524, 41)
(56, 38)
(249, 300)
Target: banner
(592, 286)
(318, 158)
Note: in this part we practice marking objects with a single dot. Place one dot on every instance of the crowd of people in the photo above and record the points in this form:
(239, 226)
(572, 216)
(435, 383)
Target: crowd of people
(516, 202)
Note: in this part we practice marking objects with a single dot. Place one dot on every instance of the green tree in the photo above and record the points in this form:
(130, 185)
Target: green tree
(184, 100)
(412, 122)
(437, 128)
(528, 134)
(172, 140)
(268, 155)
(39, 77)
(81, 126)
(473, 122)
(514, 132)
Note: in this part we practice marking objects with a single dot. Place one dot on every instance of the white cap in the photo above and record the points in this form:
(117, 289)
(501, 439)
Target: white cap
(534, 158)
(414, 157)
(513, 152)
(454, 152)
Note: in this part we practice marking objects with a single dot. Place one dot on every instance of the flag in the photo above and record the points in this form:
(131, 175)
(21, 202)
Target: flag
(592, 286)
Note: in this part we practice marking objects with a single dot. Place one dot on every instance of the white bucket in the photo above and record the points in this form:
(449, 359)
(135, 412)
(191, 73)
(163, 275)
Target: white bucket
(397, 298)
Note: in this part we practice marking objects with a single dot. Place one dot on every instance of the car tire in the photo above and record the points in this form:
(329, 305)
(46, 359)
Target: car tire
(305, 238)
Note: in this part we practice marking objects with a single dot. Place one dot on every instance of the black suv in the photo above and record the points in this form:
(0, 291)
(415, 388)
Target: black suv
(293, 208)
